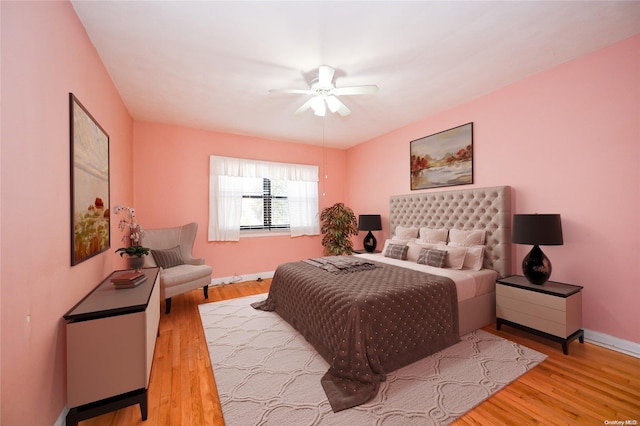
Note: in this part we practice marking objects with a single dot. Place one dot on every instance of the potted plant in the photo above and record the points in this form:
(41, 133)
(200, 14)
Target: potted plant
(134, 250)
(137, 251)
(338, 224)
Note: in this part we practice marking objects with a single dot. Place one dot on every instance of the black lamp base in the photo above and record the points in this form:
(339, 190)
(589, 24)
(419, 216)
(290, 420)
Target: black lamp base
(536, 267)
(370, 242)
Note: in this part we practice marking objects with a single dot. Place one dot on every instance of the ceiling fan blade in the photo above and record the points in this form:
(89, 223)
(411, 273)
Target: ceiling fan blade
(335, 105)
(325, 75)
(305, 106)
(356, 90)
(294, 91)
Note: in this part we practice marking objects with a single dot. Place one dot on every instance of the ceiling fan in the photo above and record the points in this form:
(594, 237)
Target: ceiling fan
(325, 93)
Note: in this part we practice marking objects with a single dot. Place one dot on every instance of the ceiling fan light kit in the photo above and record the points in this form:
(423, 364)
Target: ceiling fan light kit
(325, 94)
(318, 106)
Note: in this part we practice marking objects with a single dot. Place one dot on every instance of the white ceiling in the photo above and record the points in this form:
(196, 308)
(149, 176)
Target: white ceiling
(210, 64)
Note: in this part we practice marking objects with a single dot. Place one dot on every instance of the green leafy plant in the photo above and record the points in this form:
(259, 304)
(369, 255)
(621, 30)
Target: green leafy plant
(338, 224)
(137, 251)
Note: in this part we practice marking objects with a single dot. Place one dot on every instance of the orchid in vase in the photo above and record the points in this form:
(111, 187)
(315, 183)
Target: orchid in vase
(134, 234)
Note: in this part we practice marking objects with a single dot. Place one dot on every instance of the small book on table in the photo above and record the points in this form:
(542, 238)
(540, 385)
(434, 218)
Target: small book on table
(128, 279)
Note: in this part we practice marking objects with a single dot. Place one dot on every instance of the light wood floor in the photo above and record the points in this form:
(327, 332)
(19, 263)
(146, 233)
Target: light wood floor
(588, 387)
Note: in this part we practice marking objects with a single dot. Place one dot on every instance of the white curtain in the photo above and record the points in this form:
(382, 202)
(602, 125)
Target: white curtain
(303, 208)
(225, 194)
(225, 208)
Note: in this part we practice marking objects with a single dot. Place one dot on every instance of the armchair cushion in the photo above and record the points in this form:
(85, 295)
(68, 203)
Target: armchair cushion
(168, 258)
(181, 274)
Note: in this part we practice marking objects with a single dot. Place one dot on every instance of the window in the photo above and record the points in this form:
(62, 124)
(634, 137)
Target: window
(249, 194)
(264, 204)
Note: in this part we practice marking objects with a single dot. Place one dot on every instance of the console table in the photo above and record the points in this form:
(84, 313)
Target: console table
(111, 336)
(552, 310)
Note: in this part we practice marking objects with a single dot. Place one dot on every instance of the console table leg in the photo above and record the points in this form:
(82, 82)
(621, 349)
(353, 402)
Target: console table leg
(144, 405)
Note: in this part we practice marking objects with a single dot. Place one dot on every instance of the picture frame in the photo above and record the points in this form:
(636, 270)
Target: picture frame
(442, 159)
(89, 178)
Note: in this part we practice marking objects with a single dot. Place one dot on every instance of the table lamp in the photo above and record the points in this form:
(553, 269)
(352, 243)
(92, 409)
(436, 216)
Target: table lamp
(369, 222)
(537, 230)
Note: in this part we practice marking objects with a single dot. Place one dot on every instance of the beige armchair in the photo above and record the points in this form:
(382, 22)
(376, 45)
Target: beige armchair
(179, 270)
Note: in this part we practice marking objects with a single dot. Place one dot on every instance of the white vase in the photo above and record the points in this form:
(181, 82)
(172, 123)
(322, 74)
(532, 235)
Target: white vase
(136, 263)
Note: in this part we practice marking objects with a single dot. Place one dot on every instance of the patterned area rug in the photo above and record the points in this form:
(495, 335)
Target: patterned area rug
(267, 374)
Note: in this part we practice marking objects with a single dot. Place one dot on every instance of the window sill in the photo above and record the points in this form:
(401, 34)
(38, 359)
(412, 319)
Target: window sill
(253, 233)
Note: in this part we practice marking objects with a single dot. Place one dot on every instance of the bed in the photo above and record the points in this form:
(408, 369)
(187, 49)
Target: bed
(370, 314)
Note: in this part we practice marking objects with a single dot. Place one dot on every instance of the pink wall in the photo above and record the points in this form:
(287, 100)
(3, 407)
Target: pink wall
(45, 55)
(568, 141)
(171, 175)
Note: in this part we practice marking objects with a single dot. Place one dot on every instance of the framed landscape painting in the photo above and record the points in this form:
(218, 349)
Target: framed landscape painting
(90, 232)
(443, 159)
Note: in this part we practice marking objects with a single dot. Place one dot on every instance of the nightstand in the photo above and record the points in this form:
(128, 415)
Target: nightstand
(363, 251)
(552, 310)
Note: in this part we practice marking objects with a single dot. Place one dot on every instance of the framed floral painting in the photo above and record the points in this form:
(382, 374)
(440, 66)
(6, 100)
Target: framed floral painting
(90, 234)
(443, 159)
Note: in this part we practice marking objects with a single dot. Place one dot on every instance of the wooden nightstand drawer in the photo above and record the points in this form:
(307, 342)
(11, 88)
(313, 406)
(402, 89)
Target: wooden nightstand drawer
(531, 298)
(535, 310)
(553, 309)
(551, 325)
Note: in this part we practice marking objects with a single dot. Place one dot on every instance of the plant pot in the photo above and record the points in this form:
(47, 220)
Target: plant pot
(136, 263)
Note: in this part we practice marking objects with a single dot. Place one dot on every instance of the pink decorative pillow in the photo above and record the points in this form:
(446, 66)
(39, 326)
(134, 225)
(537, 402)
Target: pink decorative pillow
(428, 235)
(403, 233)
(466, 238)
(455, 256)
(474, 258)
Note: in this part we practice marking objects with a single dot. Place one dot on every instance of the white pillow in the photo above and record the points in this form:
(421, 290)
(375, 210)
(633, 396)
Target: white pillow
(474, 258)
(414, 250)
(455, 256)
(466, 238)
(403, 233)
(428, 235)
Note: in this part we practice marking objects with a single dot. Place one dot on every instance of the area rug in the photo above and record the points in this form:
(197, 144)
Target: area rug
(268, 374)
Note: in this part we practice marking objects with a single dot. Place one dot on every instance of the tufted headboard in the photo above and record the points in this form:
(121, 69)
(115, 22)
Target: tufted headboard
(479, 208)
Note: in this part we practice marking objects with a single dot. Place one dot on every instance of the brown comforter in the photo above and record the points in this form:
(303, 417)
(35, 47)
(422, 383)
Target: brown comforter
(365, 323)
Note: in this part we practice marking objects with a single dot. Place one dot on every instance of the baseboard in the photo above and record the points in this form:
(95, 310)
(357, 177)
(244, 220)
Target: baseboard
(613, 343)
(238, 278)
(62, 418)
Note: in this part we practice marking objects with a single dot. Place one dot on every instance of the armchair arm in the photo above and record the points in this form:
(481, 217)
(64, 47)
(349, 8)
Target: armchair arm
(193, 261)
